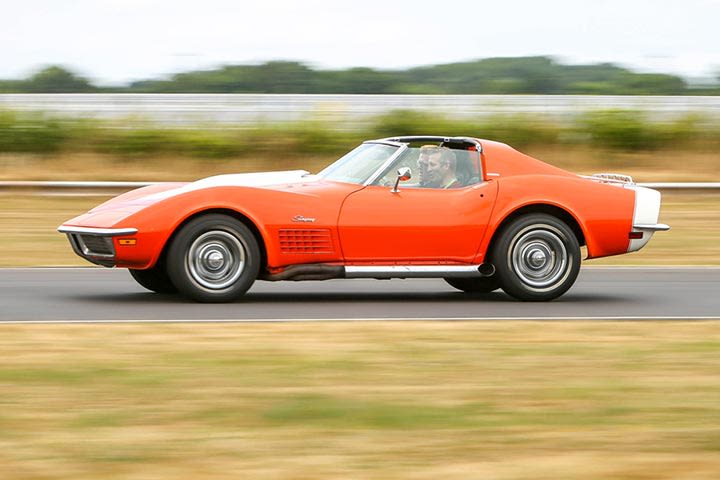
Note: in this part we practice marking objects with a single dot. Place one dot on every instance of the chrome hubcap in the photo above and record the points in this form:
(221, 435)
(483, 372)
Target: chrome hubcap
(538, 257)
(216, 259)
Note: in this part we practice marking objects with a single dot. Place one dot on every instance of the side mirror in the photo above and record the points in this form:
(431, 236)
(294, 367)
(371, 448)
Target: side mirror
(403, 175)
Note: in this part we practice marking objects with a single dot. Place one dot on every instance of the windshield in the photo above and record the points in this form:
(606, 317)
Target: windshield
(358, 165)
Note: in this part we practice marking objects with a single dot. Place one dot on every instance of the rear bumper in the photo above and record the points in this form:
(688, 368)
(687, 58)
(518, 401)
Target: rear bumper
(95, 245)
(645, 217)
(657, 227)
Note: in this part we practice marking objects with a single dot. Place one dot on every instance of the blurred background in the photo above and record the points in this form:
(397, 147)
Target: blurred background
(161, 90)
(57, 125)
(119, 90)
(97, 90)
(285, 114)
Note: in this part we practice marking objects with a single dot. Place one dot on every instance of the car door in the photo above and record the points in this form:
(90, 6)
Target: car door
(415, 225)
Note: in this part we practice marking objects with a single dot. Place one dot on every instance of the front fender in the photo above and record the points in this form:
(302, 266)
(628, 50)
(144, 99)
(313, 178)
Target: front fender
(269, 209)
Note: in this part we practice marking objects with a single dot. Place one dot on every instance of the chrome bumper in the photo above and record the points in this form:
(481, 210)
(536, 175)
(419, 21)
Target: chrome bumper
(657, 227)
(645, 217)
(95, 244)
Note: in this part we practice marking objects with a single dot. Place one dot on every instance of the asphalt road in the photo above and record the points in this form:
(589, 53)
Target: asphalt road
(96, 294)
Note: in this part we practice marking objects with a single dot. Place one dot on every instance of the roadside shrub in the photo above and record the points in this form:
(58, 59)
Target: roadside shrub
(690, 131)
(407, 122)
(618, 129)
(516, 130)
(134, 141)
(206, 144)
(31, 133)
(520, 130)
(263, 138)
(317, 138)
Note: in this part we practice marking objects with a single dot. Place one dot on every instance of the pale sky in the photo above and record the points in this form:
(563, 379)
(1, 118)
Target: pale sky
(117, 41)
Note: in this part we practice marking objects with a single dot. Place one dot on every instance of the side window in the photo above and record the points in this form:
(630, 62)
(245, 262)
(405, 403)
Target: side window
(444, 168)
(435, 167)
(467, 168)
(408, 159)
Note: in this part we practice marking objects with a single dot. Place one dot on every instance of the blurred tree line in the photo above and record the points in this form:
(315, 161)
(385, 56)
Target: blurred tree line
(49, 80)
(524, 75)
(602, 130)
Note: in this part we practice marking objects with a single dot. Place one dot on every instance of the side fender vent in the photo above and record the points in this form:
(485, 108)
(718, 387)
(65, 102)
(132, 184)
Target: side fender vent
(305, 240)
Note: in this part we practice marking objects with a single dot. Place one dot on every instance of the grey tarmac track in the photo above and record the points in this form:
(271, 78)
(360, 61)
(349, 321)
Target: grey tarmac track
(96, 294)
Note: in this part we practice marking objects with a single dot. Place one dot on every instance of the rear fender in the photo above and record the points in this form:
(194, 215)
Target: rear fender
(603, 213)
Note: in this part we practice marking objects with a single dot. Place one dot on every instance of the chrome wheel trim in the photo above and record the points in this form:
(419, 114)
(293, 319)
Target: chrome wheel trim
(539, 257)
(216, 259)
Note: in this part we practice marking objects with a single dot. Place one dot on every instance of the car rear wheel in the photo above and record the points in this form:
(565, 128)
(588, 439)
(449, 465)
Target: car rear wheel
(475, 285)
(214, 258)
(155, 279)
(537, 257)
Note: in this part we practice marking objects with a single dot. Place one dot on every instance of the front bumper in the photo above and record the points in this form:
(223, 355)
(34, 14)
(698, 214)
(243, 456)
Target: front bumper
(95, 245)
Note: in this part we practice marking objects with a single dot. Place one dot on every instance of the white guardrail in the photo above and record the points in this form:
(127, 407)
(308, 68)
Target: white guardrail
(241, 110)
(99, 188)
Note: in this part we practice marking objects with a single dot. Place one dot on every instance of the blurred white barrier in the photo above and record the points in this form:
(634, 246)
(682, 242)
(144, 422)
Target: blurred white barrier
(221, 110)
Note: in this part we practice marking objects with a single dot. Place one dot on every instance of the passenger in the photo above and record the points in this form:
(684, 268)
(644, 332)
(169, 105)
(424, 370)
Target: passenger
(439, 169)
(423, 163)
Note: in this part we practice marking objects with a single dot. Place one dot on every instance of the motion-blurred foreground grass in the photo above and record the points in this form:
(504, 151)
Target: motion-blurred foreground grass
(410, 400)
(28, 235)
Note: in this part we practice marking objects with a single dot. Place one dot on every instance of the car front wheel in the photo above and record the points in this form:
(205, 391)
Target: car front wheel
(214, 258)
(537, 257)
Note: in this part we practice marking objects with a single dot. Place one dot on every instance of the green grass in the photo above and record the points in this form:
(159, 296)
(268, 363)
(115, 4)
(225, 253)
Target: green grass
(338, 412)
(398, 400)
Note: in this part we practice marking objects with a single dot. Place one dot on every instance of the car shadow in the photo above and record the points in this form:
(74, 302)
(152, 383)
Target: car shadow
(259, 298)
(420, 297)
(393, 297)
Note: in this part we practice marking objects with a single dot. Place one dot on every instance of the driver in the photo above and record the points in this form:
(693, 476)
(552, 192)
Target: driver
(437, 167)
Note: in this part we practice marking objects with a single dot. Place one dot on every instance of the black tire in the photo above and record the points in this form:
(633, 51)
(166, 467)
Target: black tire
(213, 258)
(475, 284)
(536, 257)
(155, 279)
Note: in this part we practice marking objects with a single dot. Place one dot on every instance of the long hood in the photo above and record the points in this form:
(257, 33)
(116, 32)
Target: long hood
(122, 206)
(262, 179)
(255, 180)
(272, 197)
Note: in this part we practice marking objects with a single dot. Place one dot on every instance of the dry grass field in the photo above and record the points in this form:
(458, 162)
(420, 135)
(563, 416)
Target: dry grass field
(397, 400)
(400, 400)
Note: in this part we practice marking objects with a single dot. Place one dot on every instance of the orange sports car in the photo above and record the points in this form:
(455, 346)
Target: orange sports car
(475, 212)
